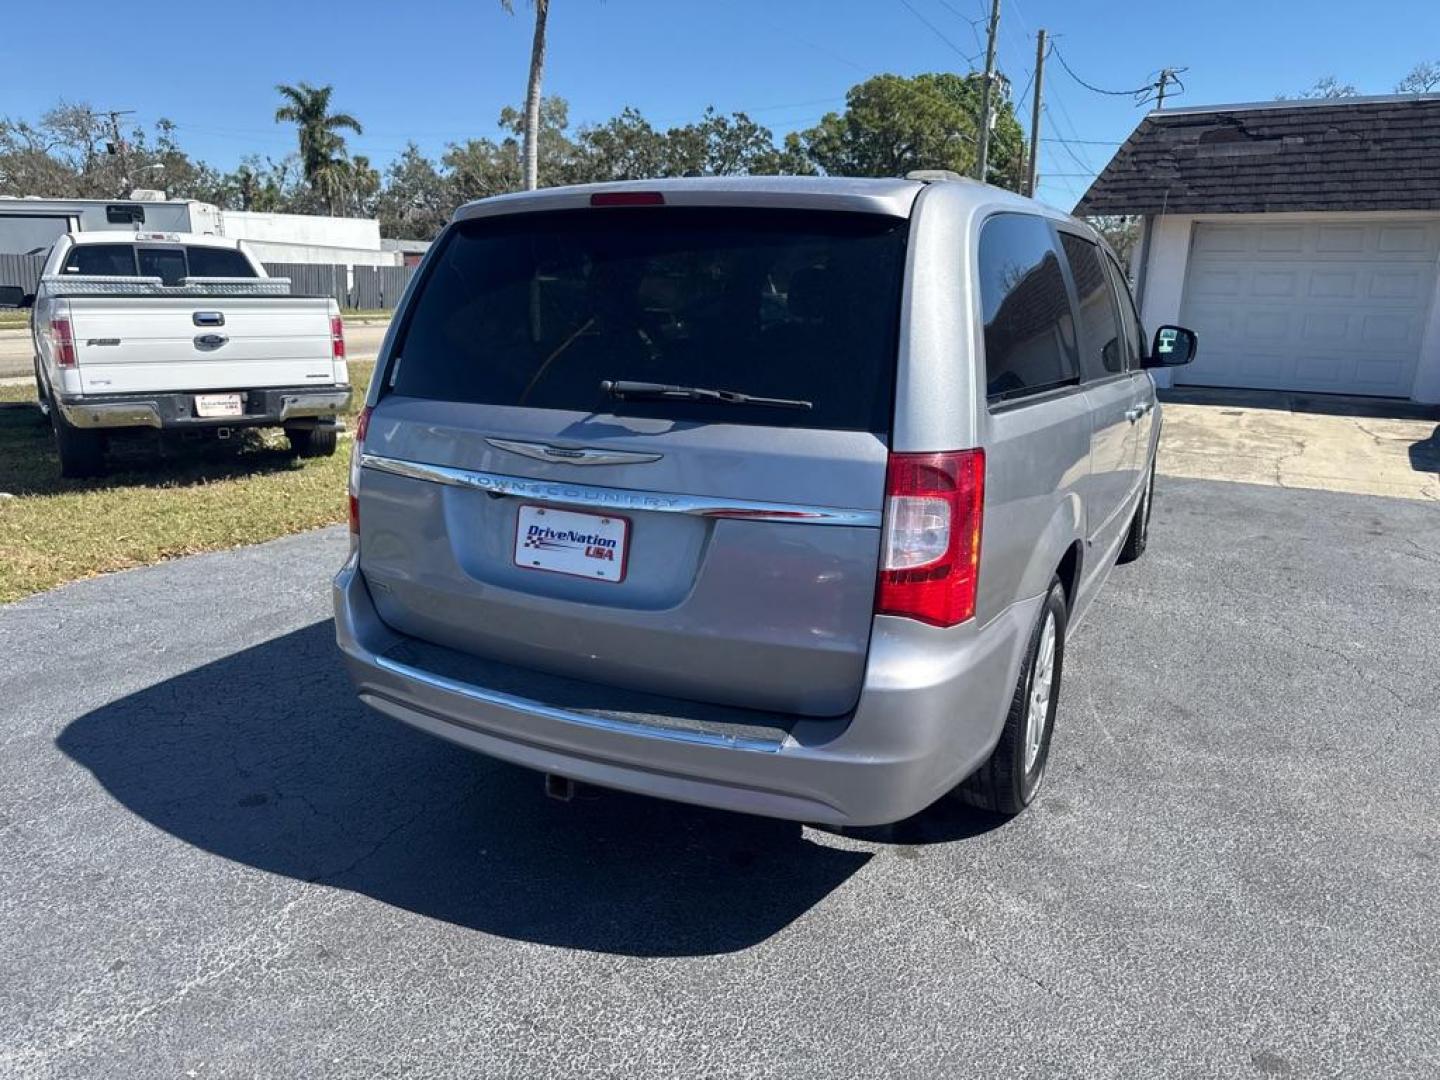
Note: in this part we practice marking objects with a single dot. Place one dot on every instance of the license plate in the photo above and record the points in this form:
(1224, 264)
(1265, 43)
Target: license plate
(219, 405)
(564, 542)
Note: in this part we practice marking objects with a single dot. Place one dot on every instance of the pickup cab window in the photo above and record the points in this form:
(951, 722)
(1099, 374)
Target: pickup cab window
(170, 264)
(107, 260)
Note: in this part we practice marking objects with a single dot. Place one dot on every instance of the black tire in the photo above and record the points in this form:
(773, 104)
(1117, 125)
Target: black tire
(1139, 534)
(1006, 783)
(318, 441)
(82, 452)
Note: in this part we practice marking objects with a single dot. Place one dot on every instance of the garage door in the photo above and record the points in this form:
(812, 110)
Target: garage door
(1332, 306)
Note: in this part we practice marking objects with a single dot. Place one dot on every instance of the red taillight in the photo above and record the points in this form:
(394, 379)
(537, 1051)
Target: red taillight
(627, 198)
(362, 425)
(930, 548)
(337, 337)
(64, 342)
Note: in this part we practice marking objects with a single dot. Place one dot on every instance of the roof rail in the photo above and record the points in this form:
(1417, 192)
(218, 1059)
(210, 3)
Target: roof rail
(930, 176)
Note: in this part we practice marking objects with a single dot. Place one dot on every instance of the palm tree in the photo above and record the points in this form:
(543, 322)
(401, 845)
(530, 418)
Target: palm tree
(532, 91)
(322, 147)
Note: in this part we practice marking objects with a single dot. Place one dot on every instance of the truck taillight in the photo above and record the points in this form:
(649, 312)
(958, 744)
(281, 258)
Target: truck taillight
(930, 545)
(64, 340)
(337, 337)
(362, 425)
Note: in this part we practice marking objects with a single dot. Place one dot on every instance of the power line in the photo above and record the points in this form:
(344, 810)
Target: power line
(974, 24)
(1112, 93)
(938, 32)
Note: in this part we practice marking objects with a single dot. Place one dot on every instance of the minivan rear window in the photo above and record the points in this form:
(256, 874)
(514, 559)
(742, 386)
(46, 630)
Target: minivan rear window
(535, 310)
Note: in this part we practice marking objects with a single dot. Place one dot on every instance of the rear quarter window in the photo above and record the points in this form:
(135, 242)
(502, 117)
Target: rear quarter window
(106, 260)
(218, 262)
(1029, 327)
(535, 310)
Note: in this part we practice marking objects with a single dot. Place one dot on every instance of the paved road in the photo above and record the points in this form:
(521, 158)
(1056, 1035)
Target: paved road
(214, 864)
(17, 354)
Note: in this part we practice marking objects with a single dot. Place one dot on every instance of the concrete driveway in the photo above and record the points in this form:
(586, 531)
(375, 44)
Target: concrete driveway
(214, 863)
(1360, 445)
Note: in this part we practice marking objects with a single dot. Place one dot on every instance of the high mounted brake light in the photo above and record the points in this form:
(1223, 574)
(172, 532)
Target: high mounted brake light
(627, 198)
(930, 546)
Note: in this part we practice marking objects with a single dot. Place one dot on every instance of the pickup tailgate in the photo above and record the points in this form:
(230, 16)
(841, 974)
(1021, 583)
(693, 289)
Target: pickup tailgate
(135, 343)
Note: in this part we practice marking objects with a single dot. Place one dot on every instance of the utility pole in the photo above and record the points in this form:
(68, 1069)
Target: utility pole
(982, 166)
(118, 148)
(1034, 171)
(1167, 75)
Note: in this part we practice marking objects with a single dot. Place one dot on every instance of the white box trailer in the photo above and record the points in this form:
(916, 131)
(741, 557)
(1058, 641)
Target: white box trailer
(31, 226)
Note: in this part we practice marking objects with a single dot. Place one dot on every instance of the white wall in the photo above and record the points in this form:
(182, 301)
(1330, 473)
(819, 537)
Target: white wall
(1164, 288)
(1169, 254)
(267, 251)
(360, 233)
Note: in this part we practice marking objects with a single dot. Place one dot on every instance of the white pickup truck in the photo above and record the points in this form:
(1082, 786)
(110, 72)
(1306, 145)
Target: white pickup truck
(172, 331)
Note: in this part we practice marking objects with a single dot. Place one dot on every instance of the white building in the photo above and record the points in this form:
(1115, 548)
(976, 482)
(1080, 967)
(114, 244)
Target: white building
(1299, 239)
(28, 225)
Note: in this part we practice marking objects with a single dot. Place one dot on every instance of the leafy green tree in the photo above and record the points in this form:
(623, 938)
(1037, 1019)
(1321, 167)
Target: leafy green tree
(416, 200)
(893, 124)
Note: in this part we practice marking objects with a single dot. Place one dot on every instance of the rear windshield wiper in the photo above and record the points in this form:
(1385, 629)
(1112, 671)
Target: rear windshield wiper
(625, 389)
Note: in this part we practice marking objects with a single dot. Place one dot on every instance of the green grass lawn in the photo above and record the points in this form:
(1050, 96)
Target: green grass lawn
(155, 503)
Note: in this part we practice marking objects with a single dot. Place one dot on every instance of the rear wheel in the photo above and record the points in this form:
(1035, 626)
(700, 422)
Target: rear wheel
(82, 451)
(1008, 781)
(1139, 534)
(318, 441)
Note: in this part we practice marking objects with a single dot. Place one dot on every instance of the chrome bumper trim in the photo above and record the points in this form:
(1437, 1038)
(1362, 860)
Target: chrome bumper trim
(113, 414)
(550, 712)
(622, 499)
(327, 403)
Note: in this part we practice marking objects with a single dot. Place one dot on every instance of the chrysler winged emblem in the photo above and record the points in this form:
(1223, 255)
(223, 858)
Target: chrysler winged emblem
(566, 455)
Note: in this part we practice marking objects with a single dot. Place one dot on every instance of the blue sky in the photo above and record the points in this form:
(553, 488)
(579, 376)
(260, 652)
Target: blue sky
(439, 72)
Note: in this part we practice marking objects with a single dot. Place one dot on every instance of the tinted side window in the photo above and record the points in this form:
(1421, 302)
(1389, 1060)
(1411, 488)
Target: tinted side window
(1129, 316)
(1029, 329)
(168, 264)
(218, 262)
(1102, 343)
(108, 260)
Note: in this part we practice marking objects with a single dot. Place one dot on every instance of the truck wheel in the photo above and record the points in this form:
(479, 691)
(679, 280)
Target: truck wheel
(1007, 782)
(82, 452)
(1139, 534)
(318, 441)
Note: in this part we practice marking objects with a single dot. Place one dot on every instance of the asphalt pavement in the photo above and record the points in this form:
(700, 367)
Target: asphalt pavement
(214, 863)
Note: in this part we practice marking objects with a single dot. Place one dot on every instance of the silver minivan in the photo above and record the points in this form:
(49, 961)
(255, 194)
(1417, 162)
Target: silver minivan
(780, 495)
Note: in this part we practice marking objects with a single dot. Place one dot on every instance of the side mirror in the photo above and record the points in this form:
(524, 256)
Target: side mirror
(1173, 346)
(13, 296)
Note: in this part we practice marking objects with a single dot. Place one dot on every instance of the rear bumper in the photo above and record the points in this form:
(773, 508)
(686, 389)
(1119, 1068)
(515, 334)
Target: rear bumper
(268, 407)
(929, 714)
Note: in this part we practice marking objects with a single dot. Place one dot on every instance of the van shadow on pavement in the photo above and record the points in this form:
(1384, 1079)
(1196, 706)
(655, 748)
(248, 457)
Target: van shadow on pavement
(265, 757)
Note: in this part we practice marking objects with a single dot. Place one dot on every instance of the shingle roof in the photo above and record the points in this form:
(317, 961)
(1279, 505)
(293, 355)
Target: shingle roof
(1345, 154)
